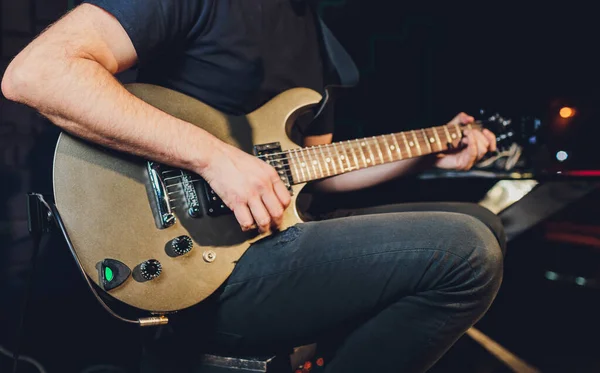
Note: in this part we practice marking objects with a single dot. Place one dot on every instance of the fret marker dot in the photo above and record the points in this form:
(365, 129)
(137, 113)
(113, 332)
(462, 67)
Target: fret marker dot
(362, 144)
(315, 162)
(392, 147)
(303, 164)
(327, 160)
(432, 140)
(369, 160)
(411, 143)
(453, 135)
(342, 157)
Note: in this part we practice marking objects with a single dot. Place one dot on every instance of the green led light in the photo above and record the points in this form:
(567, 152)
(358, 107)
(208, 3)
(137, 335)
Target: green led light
(108, 274)
(552, 276)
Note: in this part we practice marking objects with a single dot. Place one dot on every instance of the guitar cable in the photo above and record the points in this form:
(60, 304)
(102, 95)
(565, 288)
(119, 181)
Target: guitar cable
(24, 358)
(38, 225)
(37, 240)
(58, 220)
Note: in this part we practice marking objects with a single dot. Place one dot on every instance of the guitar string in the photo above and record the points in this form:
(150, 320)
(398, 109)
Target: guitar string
(306, 151)
(373, 138)
(286, 165)
(284, 155)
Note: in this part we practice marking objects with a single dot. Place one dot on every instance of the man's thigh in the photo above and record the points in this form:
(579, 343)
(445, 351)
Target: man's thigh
(296, 286)
(491, 220)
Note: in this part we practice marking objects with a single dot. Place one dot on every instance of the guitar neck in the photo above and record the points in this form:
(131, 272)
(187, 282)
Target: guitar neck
(318, 162)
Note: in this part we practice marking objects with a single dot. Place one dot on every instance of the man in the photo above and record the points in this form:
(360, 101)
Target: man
(400, 287)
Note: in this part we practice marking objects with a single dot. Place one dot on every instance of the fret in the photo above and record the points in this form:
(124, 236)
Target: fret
(300, 164)
(292, 164)
(353, 155)
(349, 166)
(317, 160)
(371, 159)
(387, 147)
(327, 160)
(397, 146)
(362, 153)
(417, 142)
(338, 158)
(305, 164)
(458, 131)
(332, 159)
(437, 137)
(313, 162)
(447, 134)
(378, 150)
(293, 168)
(427, 140)
(406, 144)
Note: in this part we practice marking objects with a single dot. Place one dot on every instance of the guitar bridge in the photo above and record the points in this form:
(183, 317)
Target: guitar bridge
(164, 214)
(163, 192)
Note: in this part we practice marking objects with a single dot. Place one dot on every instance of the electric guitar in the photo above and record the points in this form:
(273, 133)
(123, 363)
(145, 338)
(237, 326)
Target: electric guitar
(160, 239)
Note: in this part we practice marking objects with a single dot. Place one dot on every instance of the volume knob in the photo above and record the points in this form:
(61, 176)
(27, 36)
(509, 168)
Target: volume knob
(181, 245)
(150, 269)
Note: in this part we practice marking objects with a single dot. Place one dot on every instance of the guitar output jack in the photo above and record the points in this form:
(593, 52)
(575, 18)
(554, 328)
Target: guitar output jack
(209, 256)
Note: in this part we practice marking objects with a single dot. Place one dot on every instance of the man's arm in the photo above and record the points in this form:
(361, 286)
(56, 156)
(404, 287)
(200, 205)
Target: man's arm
(477, 144)
(67, 75)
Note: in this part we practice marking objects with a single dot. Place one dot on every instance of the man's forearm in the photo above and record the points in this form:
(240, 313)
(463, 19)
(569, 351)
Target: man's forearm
(372, 176)
(83, 98)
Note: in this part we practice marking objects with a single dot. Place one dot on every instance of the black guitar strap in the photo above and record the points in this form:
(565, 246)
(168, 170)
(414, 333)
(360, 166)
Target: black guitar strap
(338, 60)
(341, 71)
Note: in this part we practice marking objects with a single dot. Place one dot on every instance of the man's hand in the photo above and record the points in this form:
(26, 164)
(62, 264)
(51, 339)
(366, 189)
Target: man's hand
(249, 186)
(477, 142)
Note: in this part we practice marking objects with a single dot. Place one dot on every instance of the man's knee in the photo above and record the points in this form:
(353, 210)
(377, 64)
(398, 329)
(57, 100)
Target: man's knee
(486, 261)
(487, 217)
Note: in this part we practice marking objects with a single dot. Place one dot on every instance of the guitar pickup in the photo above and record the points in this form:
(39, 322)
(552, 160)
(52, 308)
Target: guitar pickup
(216, 207)
(272, 154)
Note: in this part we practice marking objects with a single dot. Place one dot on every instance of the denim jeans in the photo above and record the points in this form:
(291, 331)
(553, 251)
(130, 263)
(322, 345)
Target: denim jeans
(391, 288)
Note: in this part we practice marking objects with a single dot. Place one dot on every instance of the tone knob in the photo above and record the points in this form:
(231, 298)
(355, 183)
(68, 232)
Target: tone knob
(150, 269)
(181, 245)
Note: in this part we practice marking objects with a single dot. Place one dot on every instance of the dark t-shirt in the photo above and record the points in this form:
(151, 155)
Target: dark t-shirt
(234, 55)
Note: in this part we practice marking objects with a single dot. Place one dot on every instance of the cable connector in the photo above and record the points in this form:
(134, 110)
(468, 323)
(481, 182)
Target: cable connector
(38, 215)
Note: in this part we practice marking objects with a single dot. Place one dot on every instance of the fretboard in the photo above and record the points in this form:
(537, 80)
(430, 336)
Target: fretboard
(318, 162)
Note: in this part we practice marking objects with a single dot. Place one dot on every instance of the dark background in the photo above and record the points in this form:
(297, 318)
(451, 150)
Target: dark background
(421, 63)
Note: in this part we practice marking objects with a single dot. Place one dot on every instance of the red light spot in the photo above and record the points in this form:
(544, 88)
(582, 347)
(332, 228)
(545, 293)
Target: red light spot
(307, 366)
(320, 362)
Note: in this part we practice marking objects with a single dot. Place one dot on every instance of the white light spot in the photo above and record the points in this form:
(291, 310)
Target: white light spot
(432, 140)
(453, 135)
(392, 147)
(411, 143)
(363, 144)
(562, 156)
(368, 160)
(327, 160)
(342, 157)
(315, 162)
(302, 164)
